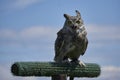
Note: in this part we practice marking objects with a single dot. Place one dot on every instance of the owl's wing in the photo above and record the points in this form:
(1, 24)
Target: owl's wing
(84, 46)
(59, 44)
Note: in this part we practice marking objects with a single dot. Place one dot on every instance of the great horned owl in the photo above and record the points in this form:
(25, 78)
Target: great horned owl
(71, 40)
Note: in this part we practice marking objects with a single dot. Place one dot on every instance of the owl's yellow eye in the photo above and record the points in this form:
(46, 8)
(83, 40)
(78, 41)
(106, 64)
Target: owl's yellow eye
(69, 22)
(78, 22)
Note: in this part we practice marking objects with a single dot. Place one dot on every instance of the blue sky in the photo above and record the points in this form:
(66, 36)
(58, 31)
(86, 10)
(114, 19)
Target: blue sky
(28, 30)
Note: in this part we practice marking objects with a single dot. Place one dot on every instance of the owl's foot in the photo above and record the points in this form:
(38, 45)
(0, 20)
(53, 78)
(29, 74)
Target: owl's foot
(65, 61)
(82, 64)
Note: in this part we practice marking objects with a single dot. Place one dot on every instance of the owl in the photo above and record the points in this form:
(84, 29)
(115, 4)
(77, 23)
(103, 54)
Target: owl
(71, 40)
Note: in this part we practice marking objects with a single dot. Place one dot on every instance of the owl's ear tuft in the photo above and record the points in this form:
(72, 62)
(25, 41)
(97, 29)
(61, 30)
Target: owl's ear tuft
(77, 13)
(66, 16)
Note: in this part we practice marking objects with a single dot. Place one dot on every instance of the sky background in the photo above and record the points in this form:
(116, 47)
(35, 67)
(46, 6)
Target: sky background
(28, 31)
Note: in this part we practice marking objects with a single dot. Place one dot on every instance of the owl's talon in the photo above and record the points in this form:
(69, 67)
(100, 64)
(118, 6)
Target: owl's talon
(82, 64)
(66, 61)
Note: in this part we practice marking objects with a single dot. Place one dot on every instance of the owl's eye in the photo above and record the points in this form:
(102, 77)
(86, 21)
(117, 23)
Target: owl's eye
(69, 22)
(78, 22)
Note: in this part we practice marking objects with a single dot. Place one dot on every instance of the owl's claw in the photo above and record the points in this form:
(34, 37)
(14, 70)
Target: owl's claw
(65, 61)
(82, 64)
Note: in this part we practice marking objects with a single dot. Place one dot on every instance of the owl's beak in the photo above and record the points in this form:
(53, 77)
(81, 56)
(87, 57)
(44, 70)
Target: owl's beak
(74, 27)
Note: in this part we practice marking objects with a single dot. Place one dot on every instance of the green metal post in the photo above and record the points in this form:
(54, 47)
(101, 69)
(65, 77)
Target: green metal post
(53, 68)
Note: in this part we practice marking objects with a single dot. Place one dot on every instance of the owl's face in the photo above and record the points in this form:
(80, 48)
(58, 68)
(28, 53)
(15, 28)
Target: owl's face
(73, 22)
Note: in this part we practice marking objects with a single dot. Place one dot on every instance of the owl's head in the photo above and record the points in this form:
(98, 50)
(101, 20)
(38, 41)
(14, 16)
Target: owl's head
(73, 22)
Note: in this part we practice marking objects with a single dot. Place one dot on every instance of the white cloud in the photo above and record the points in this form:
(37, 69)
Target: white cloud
(7, 33)
(5, 74)
(31, 32)
(107, 73)
(24, 3)
(38, 31)
(110, 73)
(33, 36)
(98, 32)
(17, 4)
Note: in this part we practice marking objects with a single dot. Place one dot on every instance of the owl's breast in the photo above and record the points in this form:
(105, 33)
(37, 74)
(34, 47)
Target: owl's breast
(74, 54)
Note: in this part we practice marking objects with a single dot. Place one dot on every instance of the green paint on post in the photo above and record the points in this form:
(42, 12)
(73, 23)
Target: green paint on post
(53, 68)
